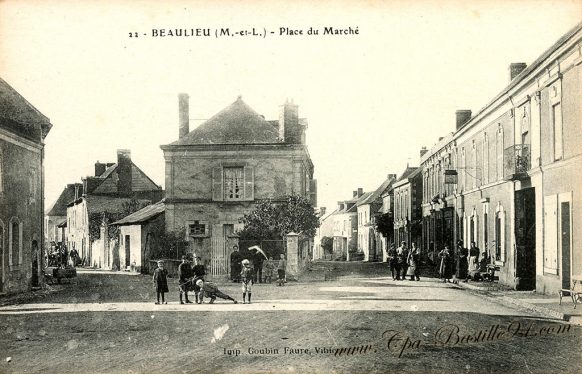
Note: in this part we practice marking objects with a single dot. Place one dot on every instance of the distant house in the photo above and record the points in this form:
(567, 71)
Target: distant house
(139, 237)
(408, 207)
(326, 221)
(345, 231)
(57, 214)
(368, 206)
(218, 171)
(22, 132)
(114, 192)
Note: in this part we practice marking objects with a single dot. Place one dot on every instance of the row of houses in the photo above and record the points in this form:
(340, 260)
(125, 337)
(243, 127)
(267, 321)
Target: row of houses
(214, 175)
(507, 178)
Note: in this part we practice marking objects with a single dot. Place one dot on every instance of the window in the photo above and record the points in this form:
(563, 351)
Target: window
(463, 168)
(474, 163)
(557, 126)
(499, 151)
(485, 245)
(15, 242)
(233, 183)
(485, 173)
(197, 229)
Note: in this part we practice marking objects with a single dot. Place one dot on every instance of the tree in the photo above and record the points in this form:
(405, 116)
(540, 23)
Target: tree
(385, 225)
(271, 220)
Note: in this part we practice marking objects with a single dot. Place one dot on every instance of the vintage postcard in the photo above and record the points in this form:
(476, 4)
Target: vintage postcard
(290, 186)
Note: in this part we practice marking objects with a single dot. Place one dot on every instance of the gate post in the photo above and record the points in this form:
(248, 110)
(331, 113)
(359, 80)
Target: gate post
(292, 255)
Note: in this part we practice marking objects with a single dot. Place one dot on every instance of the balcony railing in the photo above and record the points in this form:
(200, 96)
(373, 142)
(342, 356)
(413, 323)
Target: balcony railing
(517, 162)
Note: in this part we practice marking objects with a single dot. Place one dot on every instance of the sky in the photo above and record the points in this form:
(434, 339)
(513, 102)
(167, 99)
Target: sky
(372, 99)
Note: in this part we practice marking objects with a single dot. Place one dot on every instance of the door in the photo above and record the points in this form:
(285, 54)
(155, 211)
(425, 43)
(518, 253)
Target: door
(525, 239)
(127, 250)
(565, 236)
(34, 255)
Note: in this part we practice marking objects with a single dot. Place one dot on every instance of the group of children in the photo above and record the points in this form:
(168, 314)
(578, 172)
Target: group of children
(192, 279)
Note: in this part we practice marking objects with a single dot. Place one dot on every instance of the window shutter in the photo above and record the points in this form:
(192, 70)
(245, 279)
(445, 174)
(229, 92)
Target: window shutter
(551, 234)
(313, 192)
(249, 183)
(217, 186)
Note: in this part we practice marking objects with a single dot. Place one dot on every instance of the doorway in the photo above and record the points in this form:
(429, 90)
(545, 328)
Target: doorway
(565, 244)
(127, 251)
(525, 239)
(34, 255)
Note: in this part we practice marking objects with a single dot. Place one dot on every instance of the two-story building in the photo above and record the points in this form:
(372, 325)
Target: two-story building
(325, 230)
(22, 133)
(116, 190)
(510, 174)
(345, 230)
(57, 215)
(218, 171)
(407, 192)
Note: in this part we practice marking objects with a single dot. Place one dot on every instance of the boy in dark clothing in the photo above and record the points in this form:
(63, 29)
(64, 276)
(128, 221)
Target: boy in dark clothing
(199, 271)
(211, 290)
(161, 281)
(184, 276)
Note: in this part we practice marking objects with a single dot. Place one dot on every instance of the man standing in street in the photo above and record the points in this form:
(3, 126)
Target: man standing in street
(184, 278)
(235, 265)
(281, 268)
(199, 271)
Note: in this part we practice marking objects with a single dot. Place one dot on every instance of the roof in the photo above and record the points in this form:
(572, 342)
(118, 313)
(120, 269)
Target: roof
(409, 173)
(19, 115)
(238, 123)
(365, 198)
(143, 215)
(110, 204)
(63, 223)
(59, 208)
(379, 191)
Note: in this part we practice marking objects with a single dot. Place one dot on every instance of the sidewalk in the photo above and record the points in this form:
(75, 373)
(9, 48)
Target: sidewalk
(546, 305)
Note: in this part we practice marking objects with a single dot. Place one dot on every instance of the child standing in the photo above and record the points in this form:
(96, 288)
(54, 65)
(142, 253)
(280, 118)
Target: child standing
(246, 275)
(281, 270)
(161, 282)
(268, 268)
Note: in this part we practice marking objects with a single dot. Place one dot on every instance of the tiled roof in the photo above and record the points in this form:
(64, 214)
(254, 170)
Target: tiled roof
(236, 124)
(365, 198)
(407, 173)
(19, 116)
(379, 191)
(59, 208)
(143, 215)
(102, 203)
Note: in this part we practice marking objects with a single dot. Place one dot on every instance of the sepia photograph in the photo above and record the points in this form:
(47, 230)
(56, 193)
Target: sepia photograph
(197, 186)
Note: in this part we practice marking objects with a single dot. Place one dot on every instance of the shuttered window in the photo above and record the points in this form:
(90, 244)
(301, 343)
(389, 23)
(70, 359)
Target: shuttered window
(233, 183)
(551, 234)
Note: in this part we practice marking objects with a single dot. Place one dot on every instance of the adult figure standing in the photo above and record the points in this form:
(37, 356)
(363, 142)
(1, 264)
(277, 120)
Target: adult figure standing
(474, 262)
(199, 271)
(281, 269)
(401, 266)
(392, 261)
(73, 255)
(235, 264)
(461, 262)
(413, 262)
(446, 264)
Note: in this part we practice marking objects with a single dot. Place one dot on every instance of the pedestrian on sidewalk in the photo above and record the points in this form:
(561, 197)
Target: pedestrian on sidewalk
(462, 263)
(235, 266)
(281, 268)
(413, 262)
(446, 264)
(401, 266)
(209, 289)
(474, 273)
(161, 282)
(246, 276)
(185, 279)
(392, 261)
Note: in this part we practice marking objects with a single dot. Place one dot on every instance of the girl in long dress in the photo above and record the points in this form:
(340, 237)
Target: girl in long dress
(445, 268)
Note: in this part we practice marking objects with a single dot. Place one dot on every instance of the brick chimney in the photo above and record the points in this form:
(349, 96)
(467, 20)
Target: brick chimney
(360, 191)
(322, 211)
(463, 116)
(423, 151)
(516, 68)
(124, 171)
(289, 130)
(99, 168)
(184, 114)
(391, 176)
(354, 193)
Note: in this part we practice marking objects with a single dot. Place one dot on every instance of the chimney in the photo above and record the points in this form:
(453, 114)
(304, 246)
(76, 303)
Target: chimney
(463, 116)
(184, 114)
(355, 193)
(124, 171)
(322, 211)
(391, 176)
(516, 68)
(99, 168)
(360, 192)
(423, 151)
(289, 129)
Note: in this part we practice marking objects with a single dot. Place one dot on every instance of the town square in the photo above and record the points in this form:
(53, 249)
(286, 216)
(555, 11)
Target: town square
(286, 187)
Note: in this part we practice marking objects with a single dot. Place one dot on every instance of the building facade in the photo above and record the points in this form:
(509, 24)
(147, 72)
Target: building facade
(57, 214)
(407, 192)
(507, 178)
(218, 171)
(22, 133)
(116, 190)
(325, 230)
(345, 231)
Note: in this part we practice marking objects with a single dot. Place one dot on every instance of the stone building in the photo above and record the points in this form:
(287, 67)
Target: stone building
(508, 177)
(57, 214)
(407, 192)
(218, 171)
(114, 190)
(22, 132)
(345, 229)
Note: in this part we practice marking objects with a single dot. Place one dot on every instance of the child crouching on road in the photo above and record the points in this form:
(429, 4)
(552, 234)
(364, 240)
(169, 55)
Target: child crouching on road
(246, 275)
(211, 290)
